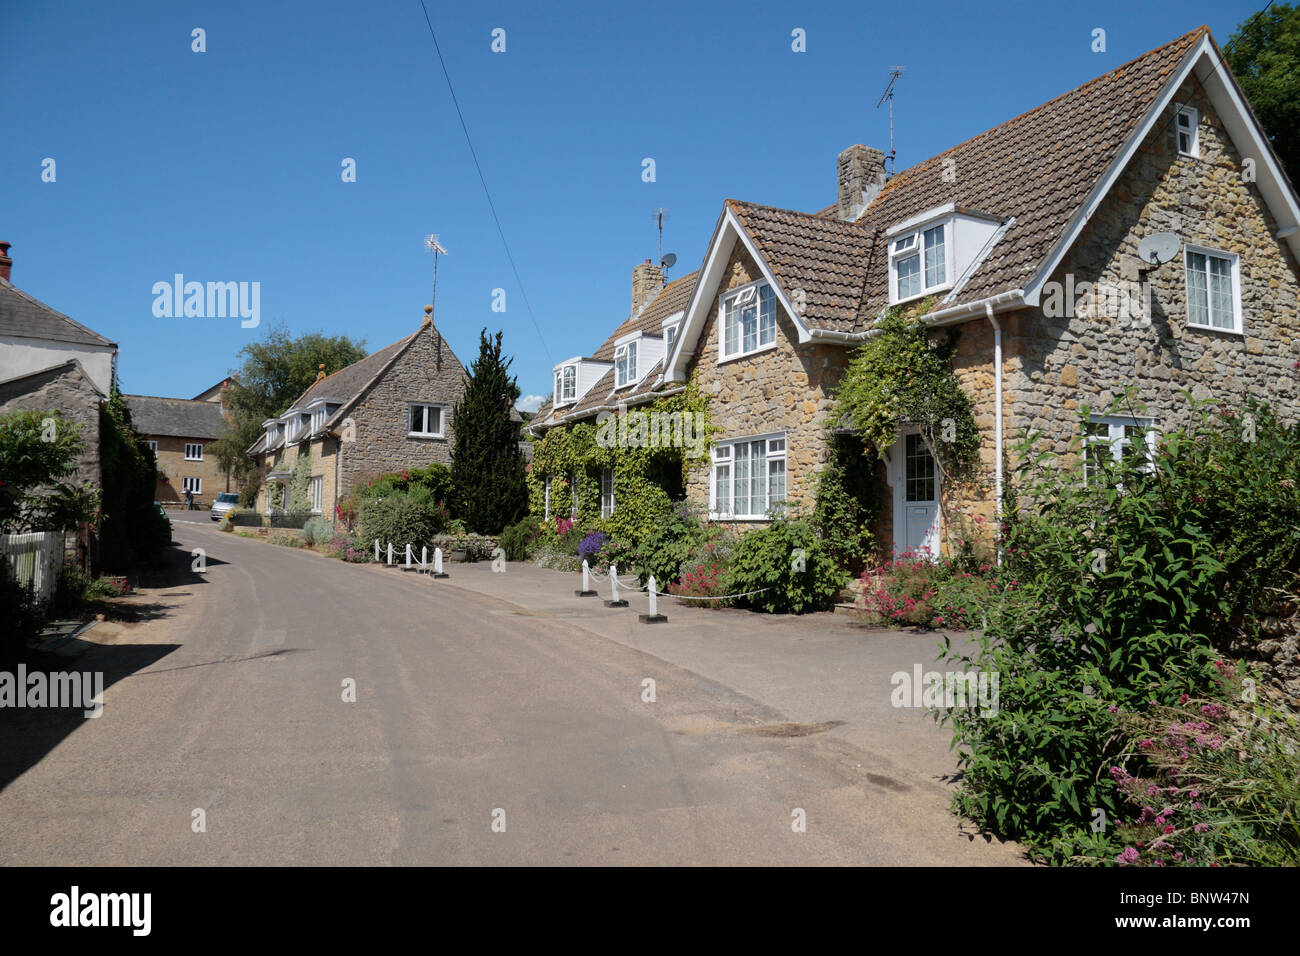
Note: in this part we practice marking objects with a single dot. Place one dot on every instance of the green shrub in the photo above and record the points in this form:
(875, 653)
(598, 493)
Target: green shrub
(248, 492)
(517, 538)
(318, 530)
(402, 517)
(788, 565)
(477, 547)
(848, 499)
(663, 551)
(286, 539)
(22, 617)
(1120, 588)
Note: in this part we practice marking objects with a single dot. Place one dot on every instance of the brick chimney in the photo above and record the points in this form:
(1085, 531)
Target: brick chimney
(861, 176)
(6, 264)
(647, 281)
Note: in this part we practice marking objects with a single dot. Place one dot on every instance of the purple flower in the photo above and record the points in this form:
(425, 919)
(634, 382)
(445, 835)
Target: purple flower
(1129, 855)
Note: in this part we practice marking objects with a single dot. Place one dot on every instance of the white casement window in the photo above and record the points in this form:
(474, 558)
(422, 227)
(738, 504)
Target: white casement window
(546, 498)
(1120, 439)
(153, 447)
(1213, 290)
(317, 490)
(670, 338)
(606, 492)
(1187, 131)
(625, 365)
(318, 417)
(192, 484)
(748, 477)
(748, 320)
(425, 421)
(193, 451)
(566, 384)
(919, 262)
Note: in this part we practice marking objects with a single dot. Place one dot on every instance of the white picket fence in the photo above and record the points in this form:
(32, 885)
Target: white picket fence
(34, 560)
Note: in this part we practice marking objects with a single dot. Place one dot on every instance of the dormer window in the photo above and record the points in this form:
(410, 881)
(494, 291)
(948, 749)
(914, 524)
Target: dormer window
(566, 384)
(748, 320)
(670, 337)
(625, 365)
(1187, 131)
(919, 262)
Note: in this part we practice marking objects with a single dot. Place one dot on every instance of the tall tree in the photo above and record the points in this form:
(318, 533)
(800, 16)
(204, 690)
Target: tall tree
(487, 465)
(274, 372)
(1264, 55)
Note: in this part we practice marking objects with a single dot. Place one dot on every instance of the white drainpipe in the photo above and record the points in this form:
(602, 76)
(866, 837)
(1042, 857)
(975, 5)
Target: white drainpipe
(997, 423)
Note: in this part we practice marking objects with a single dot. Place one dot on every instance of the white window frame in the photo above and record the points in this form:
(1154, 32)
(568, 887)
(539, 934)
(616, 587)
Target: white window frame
(193, 451)
(913, 244)
(192, 484)
(1117, 440)
(625, 360)
(1234, 275)
(607, 502)
(725, 458)
(566, 384)
(743, 297)
(425, 406)
(670, 337)
(1192, 130)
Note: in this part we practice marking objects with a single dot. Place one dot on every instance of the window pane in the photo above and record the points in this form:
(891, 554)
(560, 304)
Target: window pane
(749, 323)
(631, 362)
(936, 263)
(1220, 292)
(435, 420)
(919, 470)
(731, 344)
(776, 480)
(742, 479)
(1197, 303)
(767, 316)
(909, 277)
(758, 477)
(722, 489)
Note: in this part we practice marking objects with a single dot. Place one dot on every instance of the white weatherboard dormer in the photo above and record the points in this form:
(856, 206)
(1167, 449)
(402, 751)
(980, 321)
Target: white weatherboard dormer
(574, 378)
(321, 409)
(671, 326)
(928, 252)
(635, 354)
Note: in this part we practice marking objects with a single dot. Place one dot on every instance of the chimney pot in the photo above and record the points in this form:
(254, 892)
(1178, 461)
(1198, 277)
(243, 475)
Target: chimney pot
(6, 264)
(861, 175)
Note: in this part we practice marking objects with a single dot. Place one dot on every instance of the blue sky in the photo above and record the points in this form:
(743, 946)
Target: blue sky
(226, 165)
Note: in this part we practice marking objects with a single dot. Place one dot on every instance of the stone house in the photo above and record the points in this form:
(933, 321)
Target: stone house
(1027, 243)
(390, 411)
(179, 431)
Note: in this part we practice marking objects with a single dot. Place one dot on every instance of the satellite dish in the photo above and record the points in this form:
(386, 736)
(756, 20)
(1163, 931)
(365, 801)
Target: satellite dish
(1159, 248)
(668, 261)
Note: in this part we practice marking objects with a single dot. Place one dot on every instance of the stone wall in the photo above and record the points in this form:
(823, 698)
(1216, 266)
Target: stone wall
(67, 390)
(173, 466)
(1056, 364)
(784, 388)
(427, 372)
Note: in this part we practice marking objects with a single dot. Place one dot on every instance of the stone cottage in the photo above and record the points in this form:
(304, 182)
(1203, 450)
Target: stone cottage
(179, 431)
(391, 410)
(1027, 242)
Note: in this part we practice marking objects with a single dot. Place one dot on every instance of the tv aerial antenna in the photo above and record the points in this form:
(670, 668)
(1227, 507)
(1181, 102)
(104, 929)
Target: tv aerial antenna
(660, 217)
(894, 73)
(435, 246)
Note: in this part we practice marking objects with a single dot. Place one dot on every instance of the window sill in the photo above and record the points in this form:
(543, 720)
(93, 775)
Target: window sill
(743, 355)
(425, 435)
(714, 516)
(1214, 328)
(946, 287)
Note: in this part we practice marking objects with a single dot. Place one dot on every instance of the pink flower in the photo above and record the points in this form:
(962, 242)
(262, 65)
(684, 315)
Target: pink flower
(1129, 855)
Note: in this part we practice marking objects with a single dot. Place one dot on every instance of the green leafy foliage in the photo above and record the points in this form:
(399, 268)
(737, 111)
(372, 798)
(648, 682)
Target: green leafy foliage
(789, 565)
(411, 517)
(487, 464)
(1264, 55)
(300, 481)
(675, 537)
(131, 529)
(37, 449)
(517, 539)
(318, 531)
(848, 499)
(1125, 584)
(904, 376)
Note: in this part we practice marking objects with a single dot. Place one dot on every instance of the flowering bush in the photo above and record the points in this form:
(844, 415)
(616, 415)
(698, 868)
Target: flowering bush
(348, 548)
(913, 589)
(703, 581)
(591, 545)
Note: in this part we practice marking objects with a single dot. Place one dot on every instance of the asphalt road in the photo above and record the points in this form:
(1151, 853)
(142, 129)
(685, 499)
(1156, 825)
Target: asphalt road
(470, 712)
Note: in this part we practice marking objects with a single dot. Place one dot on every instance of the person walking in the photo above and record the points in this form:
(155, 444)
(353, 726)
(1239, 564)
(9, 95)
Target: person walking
(189, 500)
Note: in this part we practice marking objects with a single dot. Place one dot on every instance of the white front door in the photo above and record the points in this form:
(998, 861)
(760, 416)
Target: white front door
(916, 497)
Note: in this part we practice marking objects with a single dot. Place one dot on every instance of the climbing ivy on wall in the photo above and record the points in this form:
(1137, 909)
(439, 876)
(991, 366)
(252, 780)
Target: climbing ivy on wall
(903, 376)
(647, 476)
(300, 481)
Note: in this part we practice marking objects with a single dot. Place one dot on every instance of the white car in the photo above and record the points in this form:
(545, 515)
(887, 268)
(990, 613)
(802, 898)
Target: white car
(225, 501)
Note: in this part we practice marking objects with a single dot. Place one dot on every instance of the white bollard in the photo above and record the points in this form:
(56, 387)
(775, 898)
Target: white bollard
(613, 588)
(437, 563)
(376, 551)
(586, 581)
(408, 557)
(654, 617)
(424, 558)
(390, 552)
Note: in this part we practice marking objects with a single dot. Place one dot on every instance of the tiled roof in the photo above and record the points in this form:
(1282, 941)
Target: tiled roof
(175, 417)
(673, 298)
(1039, 167)
(348, 382)
(21, 314)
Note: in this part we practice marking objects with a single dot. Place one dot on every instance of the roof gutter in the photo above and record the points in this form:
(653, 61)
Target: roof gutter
(597, 409)
(1015, 298)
